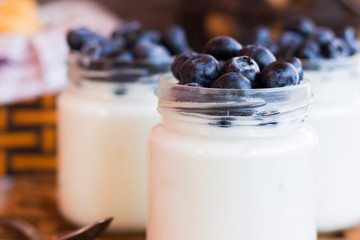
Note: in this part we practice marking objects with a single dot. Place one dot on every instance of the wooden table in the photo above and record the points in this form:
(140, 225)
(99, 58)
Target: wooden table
(33, 198)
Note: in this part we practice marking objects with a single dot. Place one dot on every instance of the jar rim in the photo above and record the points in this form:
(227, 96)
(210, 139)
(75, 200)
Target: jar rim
(111, 70)
(113, 63)
(256, 106)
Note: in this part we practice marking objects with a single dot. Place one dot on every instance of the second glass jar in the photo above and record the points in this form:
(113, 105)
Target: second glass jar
(335, 114)
(104, 119)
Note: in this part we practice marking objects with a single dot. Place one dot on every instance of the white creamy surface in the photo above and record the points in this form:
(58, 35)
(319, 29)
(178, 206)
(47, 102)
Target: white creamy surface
(214, 183)
(335, 114)
(102, 165)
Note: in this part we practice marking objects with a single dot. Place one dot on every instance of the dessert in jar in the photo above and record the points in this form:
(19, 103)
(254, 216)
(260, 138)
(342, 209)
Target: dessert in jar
(104, 119)
(335, 113)
(232, 157)
(331, 64)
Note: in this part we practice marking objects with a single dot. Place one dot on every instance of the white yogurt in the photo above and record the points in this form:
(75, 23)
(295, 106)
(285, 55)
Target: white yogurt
(250, 181)
(103, 128)
(335, 113)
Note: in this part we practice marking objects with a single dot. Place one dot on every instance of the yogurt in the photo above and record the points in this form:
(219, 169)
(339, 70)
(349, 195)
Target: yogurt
(231, 164)
(104, 120)
(335, 113)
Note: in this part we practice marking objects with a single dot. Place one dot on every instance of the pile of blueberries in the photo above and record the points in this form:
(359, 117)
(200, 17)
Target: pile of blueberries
(129, 42)
(303, 39)
(225, 63)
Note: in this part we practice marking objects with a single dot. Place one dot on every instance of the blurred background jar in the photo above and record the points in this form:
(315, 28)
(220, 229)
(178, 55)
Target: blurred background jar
(104, 119)
(335, 114)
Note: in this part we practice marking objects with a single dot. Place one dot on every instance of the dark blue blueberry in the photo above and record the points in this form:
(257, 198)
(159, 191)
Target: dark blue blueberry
(336, 48)
(261, 35)
(303, 25)
(224, 123)
(222, 47)
(309, 49)
(232, 80)
(175, 40)
(149, 35)
(92, 49)
(193, 84)
(201, 68)
(273, 48)
(268, 123)
(260, 54)
(120, 91)
(322, 35)
(125, 56)
(128, 30)
(97, 49)
(297, 64)
(349, 35)
(286, 50)
(178, 61)
(245, 66)
(290, 37)
(288, 43)
(112, 48)
(221, 66)
(279, 74)
(78, 37)
(150, 51)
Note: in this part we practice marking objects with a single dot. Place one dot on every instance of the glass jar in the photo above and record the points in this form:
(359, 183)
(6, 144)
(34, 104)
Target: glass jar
(335, 114)
(104, 119)
(231, 164)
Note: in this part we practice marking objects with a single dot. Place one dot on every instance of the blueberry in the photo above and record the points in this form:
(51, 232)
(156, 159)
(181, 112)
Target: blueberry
(273, 48)
(112, 48)
(261, 35)
(290, 37)
(323, 35)
(303, 25)
(309, 49)
(232, 80)
(245, 66)
(78, 37)
(279, 74)
(336, 48)
(125, 56)
(120, 91)
(193, 84)
(349, 35)
(150, 50)
(175, 40)
(221, 66)
(97, 49)
(92, 49)
(288, 44)
(260, 54)
(286, 50)
(222, 47)
(224, 123)
(201, 68)
(149, 35)
(178, 61)
(297, 64)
